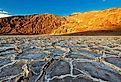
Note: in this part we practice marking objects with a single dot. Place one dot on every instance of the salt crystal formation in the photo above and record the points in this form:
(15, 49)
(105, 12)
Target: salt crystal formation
(60, 59)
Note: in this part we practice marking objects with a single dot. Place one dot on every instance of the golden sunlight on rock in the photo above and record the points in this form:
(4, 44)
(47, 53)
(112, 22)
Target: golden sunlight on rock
(103, 20)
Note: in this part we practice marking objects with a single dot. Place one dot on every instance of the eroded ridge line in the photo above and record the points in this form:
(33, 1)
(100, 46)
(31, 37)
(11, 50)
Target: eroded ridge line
(71, 67)
(63, 76)
(43, 71)
(7, 65)
(86, 74)
(114, 67)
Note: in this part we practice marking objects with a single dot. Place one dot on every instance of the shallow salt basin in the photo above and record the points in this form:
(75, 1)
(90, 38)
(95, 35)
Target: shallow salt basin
(60, 58)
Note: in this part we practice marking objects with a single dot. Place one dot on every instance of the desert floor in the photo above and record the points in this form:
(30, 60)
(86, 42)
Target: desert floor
(60, 59)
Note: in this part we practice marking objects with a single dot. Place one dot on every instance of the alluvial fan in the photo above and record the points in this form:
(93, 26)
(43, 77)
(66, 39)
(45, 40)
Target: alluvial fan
(60, 59)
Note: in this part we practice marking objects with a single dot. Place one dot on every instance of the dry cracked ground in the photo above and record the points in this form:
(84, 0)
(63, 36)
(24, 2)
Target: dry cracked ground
(60, 59)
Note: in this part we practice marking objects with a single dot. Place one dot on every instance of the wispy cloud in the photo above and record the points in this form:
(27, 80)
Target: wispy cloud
(4, 13)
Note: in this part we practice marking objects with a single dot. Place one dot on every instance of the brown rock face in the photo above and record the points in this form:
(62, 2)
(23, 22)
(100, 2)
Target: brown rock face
(107, 20)
(35, 24)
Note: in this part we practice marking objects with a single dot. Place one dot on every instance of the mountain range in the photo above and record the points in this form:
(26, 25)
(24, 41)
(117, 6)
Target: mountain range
(100, 22)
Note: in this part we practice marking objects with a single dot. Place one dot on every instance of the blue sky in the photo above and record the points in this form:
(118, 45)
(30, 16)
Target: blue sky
(58, 7)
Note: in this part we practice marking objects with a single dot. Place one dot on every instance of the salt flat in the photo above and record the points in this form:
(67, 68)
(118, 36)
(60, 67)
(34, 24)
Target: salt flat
(60, 58)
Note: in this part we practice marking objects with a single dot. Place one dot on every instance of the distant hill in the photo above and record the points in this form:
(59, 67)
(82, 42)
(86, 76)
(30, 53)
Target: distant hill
(102, 22)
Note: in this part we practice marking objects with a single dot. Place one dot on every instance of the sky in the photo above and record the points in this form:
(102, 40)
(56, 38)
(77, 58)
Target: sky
(58, 7)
